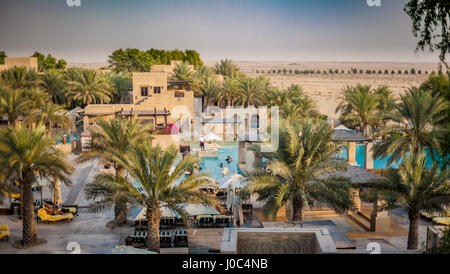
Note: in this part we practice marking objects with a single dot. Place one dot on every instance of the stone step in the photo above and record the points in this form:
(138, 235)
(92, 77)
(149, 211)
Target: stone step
(364, 216)
(360, 221)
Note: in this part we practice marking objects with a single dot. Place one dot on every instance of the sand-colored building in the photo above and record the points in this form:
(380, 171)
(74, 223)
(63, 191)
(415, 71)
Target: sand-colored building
(28, 62)
(155, 98)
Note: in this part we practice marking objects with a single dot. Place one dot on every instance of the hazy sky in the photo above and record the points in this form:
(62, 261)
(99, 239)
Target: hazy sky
(288, 30)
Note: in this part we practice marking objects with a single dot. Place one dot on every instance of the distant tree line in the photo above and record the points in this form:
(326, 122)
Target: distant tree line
(49, 62)
(285, 71)
(136, 60)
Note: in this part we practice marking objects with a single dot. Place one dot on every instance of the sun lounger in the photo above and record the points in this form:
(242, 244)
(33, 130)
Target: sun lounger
(73, 209)
(13, 195)
(442, 220)
(4, 232)
(44, 216)
(431, 215)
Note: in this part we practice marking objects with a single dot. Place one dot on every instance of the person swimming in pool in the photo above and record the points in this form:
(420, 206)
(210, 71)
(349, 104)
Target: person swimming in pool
(229, 159)
(221, 165)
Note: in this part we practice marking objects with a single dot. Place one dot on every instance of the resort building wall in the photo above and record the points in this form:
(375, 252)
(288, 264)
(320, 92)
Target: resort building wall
(28, 62)
(154, 96)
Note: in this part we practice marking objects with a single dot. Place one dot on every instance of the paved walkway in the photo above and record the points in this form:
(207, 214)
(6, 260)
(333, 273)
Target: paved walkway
(87, 229)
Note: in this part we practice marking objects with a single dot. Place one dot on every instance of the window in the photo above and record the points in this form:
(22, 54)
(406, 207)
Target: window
(144, 91)
(157, 90)
(179, 94)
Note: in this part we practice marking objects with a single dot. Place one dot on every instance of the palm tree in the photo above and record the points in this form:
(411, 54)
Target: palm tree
(250, 93)
(386, 101)
(295, 91)
(20, 78)
(226, 68)
(183, 72)
(299, 108)
(89, 87)
(297, 175)
(209, 90)
(37, 98)
(416, 119)
(276, 97)
(229, 90)
(200, 77)
(417, 189)
(53, 83)
(121, 82)
(150, 167)
(14, 104)
(358, 107)
(26, 155)
(111, 139)
(50, 115)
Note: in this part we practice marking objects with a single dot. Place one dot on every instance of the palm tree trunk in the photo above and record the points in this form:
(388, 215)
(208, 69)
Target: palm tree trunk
(120, 208)
(120, 213)
(21, 201)
(413, 233)
(297, 209)
(153, 219)
(57, 200)
(29, 232)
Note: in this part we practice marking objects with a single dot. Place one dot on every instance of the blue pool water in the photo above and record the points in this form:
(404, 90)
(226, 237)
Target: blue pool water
(75, 136)
(212, 164)
(378, 163)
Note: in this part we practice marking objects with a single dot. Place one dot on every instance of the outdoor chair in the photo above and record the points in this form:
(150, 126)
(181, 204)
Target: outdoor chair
(181, 239)
(179, 222)
(165, 239)
(138, 238)
(205, 221)
(167, 222)
(247, 209)
(222, 221)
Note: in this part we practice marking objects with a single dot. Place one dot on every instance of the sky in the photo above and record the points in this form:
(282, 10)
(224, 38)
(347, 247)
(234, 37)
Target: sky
(244, 30)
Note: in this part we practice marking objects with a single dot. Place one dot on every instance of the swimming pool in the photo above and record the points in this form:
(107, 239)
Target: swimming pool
(212, 164)
(74, 136)
(378, 163)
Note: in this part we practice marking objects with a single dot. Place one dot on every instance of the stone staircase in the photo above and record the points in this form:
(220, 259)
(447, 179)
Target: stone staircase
(361, 219)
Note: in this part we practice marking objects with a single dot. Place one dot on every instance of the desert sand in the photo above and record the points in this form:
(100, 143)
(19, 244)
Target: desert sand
(326, 89)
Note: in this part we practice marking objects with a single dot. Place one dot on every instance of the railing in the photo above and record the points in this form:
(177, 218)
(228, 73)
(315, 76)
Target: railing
(142, 100)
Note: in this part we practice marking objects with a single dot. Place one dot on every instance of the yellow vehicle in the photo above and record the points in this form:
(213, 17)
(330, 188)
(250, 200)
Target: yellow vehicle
(4, 232)
(44, 216)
